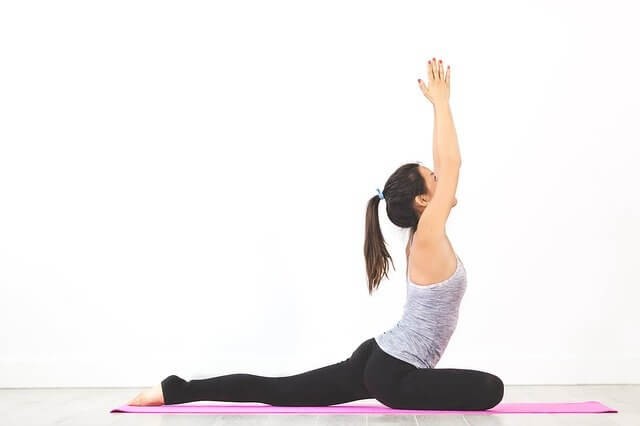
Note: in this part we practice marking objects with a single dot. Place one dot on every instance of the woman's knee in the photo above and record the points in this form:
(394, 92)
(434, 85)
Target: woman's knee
(495, 390)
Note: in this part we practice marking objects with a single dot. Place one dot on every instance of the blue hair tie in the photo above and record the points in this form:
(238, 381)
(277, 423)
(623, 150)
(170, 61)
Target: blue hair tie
(380, 195)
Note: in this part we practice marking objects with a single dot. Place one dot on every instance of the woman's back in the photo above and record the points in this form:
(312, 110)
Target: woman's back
(429, 318)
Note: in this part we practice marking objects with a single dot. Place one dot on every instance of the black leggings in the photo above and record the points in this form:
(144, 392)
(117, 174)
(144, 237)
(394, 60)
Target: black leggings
(368, 373)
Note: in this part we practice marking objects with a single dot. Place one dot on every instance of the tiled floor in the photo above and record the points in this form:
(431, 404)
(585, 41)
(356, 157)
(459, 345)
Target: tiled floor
(91, 406)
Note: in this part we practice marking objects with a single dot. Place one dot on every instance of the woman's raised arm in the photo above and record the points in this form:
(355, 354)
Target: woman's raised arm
(445, 140)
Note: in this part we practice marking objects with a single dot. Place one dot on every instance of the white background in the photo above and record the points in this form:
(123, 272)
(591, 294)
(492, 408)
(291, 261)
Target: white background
(183, 185)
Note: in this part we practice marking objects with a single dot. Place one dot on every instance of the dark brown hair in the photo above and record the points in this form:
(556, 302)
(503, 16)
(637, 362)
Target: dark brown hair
(399, 192)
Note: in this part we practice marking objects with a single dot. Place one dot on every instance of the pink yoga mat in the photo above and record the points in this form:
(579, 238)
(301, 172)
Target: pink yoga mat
(505, 407)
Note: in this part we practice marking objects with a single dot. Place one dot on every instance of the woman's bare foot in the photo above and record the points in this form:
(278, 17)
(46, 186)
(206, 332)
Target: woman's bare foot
(152, 396)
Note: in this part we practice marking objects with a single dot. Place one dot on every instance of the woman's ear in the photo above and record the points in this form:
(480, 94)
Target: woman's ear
(421, 200)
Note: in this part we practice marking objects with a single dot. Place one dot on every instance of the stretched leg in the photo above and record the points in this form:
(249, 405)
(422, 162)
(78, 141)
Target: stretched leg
(333, 384)
(398, 384)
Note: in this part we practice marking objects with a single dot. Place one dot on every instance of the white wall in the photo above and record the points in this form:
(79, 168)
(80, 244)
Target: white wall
(183, 185)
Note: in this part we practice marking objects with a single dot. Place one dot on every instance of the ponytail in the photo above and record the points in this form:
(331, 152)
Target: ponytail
(375, 251)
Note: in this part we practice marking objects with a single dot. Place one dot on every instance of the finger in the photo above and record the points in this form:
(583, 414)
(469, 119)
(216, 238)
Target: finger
(430, 72)
(440, 70)
(423, 87)
(434, 64)
(448, 76)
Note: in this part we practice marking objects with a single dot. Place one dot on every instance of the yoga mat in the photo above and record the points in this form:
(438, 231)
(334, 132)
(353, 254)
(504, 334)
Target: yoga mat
(506, 407)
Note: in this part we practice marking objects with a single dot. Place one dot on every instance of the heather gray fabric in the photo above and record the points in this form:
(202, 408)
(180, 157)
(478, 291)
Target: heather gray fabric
(429, 318)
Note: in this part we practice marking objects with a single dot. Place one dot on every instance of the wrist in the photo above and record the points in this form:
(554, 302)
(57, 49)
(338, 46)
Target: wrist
(441, 105)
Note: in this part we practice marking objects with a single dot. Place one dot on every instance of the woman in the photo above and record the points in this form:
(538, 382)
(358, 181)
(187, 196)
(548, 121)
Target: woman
(397, 366)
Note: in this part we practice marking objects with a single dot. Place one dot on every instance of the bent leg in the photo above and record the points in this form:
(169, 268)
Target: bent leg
(449, 389)
(333, 384)
(399, 384)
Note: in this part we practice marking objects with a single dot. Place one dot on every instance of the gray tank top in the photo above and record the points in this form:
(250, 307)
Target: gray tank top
(430, 316)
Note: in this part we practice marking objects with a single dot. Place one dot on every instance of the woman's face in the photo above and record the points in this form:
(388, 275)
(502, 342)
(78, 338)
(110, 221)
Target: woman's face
(431, 181)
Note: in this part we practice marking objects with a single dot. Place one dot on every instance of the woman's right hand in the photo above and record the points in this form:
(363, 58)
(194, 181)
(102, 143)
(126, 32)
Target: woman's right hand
(438, 89)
